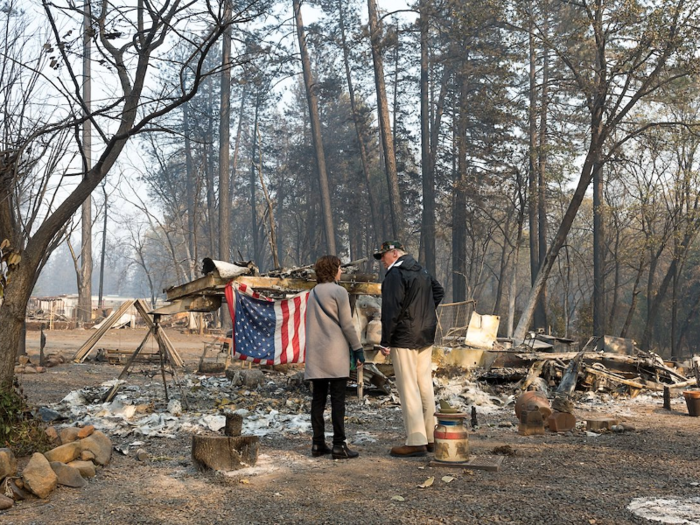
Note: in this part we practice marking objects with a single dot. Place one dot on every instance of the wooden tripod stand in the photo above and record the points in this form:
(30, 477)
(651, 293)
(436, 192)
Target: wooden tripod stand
(166, 357)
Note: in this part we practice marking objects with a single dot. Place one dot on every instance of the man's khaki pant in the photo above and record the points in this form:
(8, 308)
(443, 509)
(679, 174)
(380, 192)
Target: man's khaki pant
(415, 385)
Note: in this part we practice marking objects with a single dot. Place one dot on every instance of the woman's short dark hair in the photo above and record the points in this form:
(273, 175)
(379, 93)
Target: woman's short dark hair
(326, 269)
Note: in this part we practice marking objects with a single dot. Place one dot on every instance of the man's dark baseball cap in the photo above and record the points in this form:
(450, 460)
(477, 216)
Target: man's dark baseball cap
(387, 246)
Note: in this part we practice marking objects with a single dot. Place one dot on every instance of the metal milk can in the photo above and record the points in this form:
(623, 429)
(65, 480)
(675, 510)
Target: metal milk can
(451, 438)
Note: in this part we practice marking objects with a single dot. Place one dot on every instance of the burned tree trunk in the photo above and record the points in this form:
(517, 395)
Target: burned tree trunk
(397, 224)
(315, 131)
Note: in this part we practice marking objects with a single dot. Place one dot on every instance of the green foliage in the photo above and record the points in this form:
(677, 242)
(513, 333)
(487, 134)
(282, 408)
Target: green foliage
(19, 431)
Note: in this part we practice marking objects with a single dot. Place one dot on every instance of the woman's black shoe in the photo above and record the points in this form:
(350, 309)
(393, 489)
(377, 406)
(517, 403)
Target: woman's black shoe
(319, 450)
(343, 452)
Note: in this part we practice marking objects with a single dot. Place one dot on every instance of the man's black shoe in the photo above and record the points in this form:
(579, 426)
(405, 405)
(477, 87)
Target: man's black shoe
(320, 450)
(408, 451)
(343, 452)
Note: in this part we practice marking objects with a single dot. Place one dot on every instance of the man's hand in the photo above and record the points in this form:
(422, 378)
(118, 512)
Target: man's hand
(384, 350)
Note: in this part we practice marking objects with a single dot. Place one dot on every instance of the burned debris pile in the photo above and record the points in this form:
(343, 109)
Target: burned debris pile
(594, 371)
(590, 370)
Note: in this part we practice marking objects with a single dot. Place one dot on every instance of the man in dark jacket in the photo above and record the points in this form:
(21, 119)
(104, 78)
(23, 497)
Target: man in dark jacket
(410, 296)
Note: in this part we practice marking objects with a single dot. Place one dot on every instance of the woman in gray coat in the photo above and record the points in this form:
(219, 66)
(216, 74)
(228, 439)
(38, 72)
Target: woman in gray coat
(330, 335)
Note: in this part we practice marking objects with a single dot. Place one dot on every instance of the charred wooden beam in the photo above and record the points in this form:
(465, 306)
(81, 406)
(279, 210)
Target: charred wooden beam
(211, 285)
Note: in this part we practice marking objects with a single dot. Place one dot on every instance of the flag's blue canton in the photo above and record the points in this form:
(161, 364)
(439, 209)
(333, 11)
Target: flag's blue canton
(255, 327)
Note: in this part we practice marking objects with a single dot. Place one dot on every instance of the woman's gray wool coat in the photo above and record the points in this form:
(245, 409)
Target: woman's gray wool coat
(329, 338)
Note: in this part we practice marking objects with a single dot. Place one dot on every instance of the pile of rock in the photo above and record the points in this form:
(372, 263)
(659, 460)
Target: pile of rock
(25, 366)
(68, 464)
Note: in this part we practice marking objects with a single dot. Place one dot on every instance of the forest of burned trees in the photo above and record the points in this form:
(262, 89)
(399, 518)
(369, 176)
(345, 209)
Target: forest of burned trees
(539, 156)
(488, 115)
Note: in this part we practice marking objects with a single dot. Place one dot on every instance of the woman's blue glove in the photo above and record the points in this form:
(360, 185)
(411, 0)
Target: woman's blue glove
(358, 355)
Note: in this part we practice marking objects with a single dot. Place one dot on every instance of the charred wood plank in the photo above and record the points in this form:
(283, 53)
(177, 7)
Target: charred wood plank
(211, 284)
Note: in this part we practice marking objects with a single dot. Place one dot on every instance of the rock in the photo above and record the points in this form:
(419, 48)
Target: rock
(8, 463)
(86, 431)
(67, 476)
(23, 359)
(28, 369)
(39, 477)
(58, 358)
(5, 502)
(52, 433)
(175, 407)
(65, 453)
(144, 408)
(10, 488)
(296, 380)
(52, 360)
(141, 455)
(100, 445)
(47, 415)
(69, 434)
(87, 455)
(40, 369)
(19, 369)
(249, 378)
(562, 403)
(86, 468)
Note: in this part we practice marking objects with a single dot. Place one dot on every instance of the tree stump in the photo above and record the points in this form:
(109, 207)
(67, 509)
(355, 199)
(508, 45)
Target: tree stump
(223, 452)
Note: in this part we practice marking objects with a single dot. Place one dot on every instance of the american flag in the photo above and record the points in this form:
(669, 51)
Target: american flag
(266, 331)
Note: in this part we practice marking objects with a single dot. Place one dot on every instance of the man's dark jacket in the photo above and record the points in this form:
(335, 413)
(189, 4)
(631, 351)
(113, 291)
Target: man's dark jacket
(410, 296)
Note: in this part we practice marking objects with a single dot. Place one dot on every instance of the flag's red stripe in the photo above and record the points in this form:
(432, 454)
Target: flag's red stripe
(297, 323)
(284, 306)
(228, 292)
(302, 358)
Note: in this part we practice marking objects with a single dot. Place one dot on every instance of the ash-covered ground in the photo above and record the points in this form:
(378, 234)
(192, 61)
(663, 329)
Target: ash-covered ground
(648, 473)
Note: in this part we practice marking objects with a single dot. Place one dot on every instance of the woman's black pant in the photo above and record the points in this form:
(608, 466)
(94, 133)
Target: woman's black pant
(318, 405)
